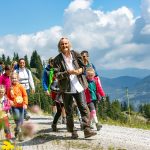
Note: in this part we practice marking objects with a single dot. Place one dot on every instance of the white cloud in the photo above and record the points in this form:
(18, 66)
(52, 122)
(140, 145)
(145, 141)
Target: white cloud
(146, 29)
(145, 7)
(2, 50)
(45, 42)
(127, 55)
(114, 39)
(78, 4)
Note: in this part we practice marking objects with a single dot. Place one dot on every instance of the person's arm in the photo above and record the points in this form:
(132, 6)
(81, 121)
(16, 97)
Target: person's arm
(79, 66)
(75, 71)
(80, 62)
(59, 65)
(31, 82)
(1, 79)
(10, 98)
(45, 80)
(99, 88)
(24, 96)
(96, 74)
(6, 105)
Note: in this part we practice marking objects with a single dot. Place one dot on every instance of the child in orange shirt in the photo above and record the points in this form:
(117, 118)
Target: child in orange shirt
(19, 101)
(4, 109)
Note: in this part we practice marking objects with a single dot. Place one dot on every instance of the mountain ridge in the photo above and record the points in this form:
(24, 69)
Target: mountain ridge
(132, 72)
(138, 89)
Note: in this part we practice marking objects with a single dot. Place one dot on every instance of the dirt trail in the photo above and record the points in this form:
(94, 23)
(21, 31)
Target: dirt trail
(108, 137)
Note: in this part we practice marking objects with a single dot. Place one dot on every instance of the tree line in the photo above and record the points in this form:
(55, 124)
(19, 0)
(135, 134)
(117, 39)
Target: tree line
(106, 109)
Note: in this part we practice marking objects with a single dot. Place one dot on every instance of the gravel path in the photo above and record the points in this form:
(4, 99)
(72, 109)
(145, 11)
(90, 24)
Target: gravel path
(109, 137)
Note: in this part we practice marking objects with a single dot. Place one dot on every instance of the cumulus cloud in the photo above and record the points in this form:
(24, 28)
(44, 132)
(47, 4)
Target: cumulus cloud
(78, 4)
(45, 42)
(141, 34)
(127, 55)
(115, 39)
(146, 29)
(145, 7)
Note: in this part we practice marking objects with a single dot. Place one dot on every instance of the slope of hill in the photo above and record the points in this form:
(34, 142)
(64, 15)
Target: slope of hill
(138, 89)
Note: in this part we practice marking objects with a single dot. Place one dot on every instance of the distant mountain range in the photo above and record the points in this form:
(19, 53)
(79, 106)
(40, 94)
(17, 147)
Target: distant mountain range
(138, 89)
(132, 72)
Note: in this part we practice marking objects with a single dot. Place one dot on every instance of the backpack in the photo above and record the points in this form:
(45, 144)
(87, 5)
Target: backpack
(27, 70)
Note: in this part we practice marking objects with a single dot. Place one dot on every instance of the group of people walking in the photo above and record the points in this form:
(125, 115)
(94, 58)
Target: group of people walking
(67, 79)
(15, 83)
(77, 80)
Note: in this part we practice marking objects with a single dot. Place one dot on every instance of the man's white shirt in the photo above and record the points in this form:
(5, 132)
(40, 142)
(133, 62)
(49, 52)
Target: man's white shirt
(75, 84)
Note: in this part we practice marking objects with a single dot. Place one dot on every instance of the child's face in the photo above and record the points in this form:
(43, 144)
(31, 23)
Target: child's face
(90, 75)
(8, 72)
(2, 92)
(14, 79)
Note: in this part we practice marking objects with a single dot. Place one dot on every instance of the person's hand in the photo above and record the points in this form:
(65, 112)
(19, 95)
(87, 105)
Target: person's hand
(25, 106)
(11, 103)
(32, 91)
(76, 72)
(47, 93)
(71, 72)
(103, 99)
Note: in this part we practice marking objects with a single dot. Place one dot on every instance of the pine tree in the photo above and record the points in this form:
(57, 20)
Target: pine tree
(36, 63)
(27, 62)
(15, 57)
(3, 58)
(115, 110)
(8, 61)
(145, 110)
(124, 106)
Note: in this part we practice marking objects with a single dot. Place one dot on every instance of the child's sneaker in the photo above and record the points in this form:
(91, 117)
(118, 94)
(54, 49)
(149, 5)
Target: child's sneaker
(8, 136)
(91, 126)
(98, 126)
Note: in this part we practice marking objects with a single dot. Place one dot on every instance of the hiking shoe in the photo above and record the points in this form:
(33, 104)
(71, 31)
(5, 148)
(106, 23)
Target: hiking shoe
(91, 127)
(54, 128)
(69, 130)
(63, 120)
(88, 133)
(27, 117)
(59, 121)
(74, 135)
(98, 126)
(20, 137)
(12, 141)
(81, 126)
(16, 130)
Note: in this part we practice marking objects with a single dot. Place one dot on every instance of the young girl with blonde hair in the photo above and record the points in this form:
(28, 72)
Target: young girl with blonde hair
(93, 94)
(18, 98)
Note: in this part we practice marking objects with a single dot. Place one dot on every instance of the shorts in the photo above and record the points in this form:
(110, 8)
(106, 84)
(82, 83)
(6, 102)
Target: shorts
(91, 106)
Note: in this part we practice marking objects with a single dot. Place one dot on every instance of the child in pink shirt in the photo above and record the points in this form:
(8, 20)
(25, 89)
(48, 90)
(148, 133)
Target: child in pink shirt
(4, 109)
(92, 94)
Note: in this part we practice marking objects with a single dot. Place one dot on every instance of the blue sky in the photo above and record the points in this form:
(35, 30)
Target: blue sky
(115, 32)
(27, 16)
